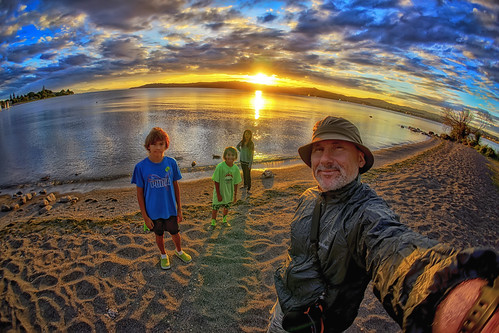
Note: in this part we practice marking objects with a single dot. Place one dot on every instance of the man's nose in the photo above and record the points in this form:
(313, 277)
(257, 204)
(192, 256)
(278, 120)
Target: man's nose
(328, 156)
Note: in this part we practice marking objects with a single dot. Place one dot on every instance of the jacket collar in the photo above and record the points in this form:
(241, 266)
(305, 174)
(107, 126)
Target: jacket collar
(342, 194)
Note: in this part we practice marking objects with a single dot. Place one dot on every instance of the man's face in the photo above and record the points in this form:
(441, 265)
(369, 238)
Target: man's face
(335, 163)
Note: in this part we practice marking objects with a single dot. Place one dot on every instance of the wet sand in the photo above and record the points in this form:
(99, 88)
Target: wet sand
(88, 266)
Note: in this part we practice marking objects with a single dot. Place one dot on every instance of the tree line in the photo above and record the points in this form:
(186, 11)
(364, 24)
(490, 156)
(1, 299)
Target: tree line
(32, 96)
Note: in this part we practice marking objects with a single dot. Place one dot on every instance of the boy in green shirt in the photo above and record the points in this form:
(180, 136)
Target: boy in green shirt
(226, 177)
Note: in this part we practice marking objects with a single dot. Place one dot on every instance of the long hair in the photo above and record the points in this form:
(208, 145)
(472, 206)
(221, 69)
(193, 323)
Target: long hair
(249, 140)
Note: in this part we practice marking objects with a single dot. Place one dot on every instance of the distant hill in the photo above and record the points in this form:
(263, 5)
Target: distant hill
(302, 91)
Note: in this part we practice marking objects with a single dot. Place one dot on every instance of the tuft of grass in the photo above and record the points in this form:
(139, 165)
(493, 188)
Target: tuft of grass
(494, 166)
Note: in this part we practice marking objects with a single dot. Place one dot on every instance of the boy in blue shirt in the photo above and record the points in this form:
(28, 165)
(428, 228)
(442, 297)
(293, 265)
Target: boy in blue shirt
(158, 193)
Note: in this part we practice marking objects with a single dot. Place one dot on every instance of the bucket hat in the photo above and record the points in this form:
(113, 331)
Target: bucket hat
(336, 128)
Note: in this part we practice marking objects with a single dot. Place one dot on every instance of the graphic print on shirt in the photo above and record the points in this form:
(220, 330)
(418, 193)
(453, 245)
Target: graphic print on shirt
(156, 181)
(228, 177)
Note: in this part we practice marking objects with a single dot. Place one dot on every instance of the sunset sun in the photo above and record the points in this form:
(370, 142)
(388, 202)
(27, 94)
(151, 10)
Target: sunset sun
(261, 78)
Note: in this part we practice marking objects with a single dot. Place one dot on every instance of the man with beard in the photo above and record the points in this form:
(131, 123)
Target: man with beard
(343, 235)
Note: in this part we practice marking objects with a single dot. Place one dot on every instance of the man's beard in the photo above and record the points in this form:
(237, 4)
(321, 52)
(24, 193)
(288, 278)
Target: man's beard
(331, 183)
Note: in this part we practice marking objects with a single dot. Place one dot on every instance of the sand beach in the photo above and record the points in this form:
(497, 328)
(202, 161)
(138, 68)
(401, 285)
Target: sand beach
(87, 265)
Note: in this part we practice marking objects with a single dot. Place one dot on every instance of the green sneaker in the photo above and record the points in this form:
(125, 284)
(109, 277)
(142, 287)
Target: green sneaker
(184, 256)
(165, 262)
(224, 222)
(213, 224)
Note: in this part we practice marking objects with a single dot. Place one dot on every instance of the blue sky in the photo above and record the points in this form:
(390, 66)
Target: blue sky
(423, 54)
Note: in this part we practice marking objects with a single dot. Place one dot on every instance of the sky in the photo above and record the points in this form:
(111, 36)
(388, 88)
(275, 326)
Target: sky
(423, 54)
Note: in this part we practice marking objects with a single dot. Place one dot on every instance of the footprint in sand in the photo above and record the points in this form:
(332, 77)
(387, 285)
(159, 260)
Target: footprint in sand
(74, 275)
(45, 281)
(85, 290)
(131, 252)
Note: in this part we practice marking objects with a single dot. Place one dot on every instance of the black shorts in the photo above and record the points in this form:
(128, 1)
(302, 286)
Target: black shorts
(161, 225)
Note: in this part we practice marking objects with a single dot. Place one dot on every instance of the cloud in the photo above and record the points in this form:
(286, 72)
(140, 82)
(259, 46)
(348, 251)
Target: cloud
(117, 14)
(492, 71)
(375, 46)
(126, 48)
(19, 54)
(77, 60)
(268, 17)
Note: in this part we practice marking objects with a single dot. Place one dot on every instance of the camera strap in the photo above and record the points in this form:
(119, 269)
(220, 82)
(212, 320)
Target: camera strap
(314, 241)
(314, 229)
(311, 320)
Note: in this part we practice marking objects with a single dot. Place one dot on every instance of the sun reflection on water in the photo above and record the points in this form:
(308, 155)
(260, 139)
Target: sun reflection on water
(258, 103)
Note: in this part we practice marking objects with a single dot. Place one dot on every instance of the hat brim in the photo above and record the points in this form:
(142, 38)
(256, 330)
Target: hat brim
(306, 150)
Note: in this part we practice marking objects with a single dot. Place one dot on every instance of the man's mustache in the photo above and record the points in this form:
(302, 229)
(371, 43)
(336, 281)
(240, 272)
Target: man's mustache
(330, 167)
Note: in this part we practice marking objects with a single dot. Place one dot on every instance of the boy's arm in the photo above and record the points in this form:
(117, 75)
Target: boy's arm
(142, 205)
(235, 193)
(219, 195)
(176, 189)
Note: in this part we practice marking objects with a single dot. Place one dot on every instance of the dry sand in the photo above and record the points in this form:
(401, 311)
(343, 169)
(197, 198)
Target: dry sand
(90, 267)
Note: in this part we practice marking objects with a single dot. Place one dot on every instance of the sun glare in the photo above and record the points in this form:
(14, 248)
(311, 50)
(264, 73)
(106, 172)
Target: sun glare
(261, 78)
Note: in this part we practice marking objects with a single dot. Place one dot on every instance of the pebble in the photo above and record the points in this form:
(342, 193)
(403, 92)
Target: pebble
(44, 203)
(45, 209)
(51, 197)
(112, 313)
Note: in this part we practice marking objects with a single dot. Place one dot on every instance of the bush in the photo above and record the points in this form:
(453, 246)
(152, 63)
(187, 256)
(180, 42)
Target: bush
(487, 151)
(445, 136)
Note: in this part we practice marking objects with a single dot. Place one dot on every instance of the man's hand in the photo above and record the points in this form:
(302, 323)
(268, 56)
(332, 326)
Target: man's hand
(452, 311)
(180, 217)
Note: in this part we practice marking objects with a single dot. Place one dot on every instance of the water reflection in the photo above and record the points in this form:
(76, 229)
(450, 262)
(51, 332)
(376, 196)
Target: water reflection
(99, 135)
(258, 103)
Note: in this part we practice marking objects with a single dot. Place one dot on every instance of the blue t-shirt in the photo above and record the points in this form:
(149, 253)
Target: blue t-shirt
(157, 181)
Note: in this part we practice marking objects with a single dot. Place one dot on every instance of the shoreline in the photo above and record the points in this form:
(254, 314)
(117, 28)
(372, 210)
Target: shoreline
(114, 201)
(89, 266)
(85, 186)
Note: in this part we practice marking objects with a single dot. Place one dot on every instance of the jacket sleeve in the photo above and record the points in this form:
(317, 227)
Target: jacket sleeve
(412, 273)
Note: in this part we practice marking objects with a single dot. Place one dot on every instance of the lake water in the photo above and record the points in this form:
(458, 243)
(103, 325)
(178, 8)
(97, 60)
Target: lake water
(99, 136)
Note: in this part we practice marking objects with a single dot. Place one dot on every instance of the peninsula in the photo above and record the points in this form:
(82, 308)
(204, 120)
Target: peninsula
(32, 96)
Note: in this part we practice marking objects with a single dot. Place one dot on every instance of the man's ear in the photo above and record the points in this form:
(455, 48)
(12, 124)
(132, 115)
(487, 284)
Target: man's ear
(362, 159)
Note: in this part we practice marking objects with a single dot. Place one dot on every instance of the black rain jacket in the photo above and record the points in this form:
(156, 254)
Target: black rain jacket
(361, 239)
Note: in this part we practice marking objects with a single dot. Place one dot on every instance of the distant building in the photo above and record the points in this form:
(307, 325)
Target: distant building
(5, 104)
